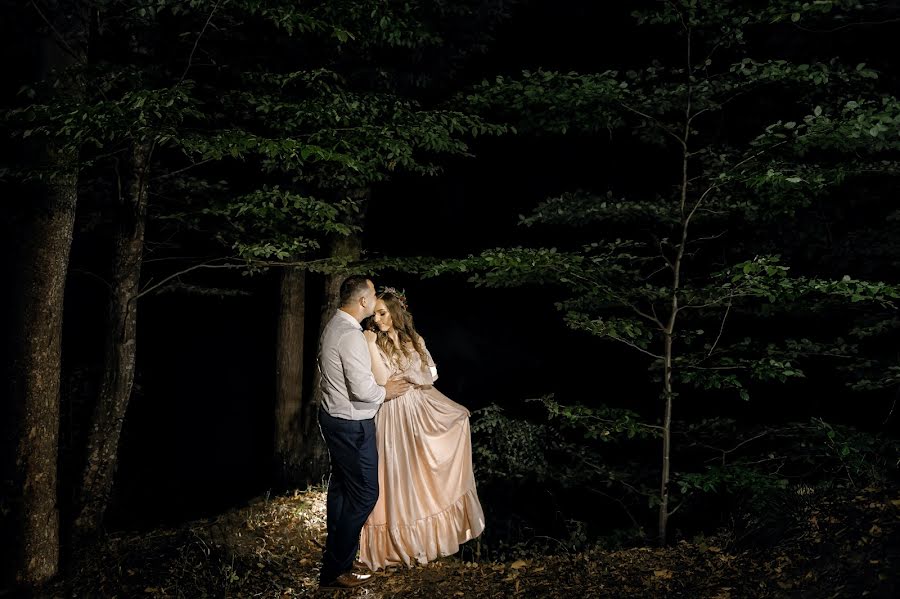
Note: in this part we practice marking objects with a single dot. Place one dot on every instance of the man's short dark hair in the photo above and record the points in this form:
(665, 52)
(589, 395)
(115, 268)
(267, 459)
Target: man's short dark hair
(353, 287)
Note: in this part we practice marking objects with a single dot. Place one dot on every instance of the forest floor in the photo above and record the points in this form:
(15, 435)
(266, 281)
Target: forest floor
(848, 546)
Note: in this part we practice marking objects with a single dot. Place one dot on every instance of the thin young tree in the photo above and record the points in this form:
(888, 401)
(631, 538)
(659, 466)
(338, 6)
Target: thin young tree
(666, 270)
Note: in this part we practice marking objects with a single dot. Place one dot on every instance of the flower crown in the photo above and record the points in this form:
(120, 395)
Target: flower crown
(400, 295)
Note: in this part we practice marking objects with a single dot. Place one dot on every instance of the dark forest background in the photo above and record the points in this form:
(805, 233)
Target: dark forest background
(466, 118)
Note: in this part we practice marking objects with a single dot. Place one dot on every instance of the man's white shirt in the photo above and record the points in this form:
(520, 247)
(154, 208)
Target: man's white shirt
(349, 390)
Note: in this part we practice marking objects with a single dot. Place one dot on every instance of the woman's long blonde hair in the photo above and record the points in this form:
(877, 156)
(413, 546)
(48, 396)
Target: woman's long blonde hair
(406, 332)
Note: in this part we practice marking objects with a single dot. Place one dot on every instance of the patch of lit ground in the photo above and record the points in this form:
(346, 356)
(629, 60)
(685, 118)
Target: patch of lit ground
(271, 548)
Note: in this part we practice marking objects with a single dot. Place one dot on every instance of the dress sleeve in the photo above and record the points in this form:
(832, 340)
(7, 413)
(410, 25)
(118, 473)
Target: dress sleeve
(430, 361)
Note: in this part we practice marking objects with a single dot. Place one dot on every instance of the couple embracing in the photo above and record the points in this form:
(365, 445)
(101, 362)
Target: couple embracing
(401, 488)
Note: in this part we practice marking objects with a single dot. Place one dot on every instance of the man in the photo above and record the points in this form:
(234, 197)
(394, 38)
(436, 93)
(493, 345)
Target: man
(350, 400)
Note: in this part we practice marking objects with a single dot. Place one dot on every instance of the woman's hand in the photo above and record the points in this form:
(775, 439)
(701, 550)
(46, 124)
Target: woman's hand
(370, 336)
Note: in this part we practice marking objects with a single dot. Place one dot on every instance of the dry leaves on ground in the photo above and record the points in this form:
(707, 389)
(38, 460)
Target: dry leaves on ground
(271, 548)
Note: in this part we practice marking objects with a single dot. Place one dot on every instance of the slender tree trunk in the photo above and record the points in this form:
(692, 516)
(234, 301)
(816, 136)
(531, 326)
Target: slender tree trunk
(289, 437)
(667, 443)
(119, 358)
(668, 354)
(44, 222)
(677, 264)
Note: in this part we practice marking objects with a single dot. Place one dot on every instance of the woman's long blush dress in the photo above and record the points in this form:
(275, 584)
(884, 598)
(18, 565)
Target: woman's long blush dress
(427, 504)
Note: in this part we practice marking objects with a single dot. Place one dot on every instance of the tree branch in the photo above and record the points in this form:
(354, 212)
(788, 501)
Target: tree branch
(677, 507)
(150, 289)
(649, 317)
(699, 201)
(92, 275)
(637, 347)
(742, 443)
(59, 37)
(654, 120)
(721, 329)
(197, 42)
(847, 26)
(620, 502)
(708, 237)
(181, 170)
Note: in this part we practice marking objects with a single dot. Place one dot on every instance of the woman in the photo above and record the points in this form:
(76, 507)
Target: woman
(427, 504)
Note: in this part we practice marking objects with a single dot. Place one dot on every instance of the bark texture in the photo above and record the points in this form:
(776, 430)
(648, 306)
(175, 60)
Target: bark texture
(120, 350)
(289, 435)
(35, 381)
(41, 224)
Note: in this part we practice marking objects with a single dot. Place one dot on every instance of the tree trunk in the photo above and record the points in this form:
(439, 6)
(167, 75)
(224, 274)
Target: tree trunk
(289, 433)
(669, 331)
(348, 248)
(43, 229)
(35, 380)
(667, 444)
(120, 344)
